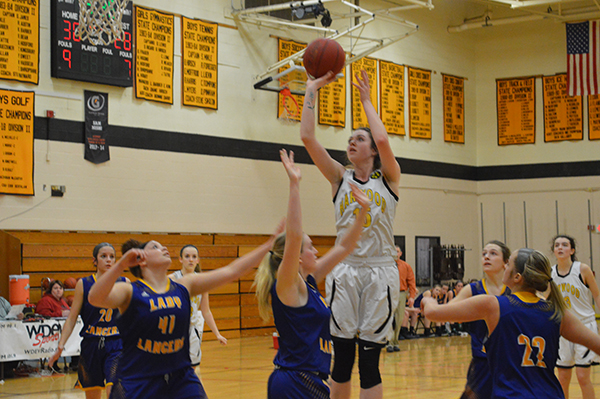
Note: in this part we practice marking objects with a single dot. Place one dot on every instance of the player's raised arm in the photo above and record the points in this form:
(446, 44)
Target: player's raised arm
(389, 165)
(329, 167)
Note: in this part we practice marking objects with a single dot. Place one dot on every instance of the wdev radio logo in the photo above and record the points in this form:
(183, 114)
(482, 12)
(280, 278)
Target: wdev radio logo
(43, 333)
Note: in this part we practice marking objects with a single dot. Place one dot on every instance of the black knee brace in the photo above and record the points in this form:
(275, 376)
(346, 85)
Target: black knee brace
(368, 364)
(345, 352)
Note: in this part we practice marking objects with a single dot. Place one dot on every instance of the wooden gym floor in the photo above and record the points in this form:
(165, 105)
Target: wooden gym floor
(424, 368)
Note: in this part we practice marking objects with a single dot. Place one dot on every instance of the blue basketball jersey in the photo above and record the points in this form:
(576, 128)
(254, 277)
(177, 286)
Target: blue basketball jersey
(304, 339)
(523, 349)
(478, 329)
(155, 330)
(97, 322)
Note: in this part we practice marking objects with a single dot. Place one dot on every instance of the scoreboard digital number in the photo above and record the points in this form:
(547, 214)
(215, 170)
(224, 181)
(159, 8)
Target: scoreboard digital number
(75, 59)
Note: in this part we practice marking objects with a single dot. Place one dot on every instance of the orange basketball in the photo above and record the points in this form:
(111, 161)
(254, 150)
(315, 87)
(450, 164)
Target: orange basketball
(46, 283)
(70, 300)
(323, 55)
(70, 282)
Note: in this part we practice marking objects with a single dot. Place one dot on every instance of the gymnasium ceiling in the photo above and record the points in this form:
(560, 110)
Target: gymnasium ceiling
(480, 14)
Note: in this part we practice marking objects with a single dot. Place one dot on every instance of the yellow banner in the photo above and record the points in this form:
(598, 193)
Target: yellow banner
(16, 142)
(359, 119)
(20, 40)
(594, 117)
(332, 103)
(516, 110)
(291, 103)
(419, 89)
(454, 109)
(199, 52)
(391, 83)
(563, 115)
(154, 38)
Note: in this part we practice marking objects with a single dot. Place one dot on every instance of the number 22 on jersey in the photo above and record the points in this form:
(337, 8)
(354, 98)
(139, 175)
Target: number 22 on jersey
(537, 342)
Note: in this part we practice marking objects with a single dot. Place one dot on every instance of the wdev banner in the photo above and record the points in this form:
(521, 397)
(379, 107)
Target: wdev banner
(35, 340)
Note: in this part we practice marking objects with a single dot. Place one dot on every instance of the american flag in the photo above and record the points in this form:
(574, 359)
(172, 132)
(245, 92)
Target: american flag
(583, 58)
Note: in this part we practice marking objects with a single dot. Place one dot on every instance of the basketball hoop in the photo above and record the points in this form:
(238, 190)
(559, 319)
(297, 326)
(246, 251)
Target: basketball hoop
(100, 21)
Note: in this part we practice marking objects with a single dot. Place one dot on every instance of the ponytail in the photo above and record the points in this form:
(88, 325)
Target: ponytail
(266, 275)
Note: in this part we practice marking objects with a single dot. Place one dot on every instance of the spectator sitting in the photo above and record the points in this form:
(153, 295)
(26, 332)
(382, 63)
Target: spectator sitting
(53, 303)
(411, 316)
(434, 293)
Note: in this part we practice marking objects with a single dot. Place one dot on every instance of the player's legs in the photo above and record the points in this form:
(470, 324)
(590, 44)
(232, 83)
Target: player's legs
(368, 368)
(95, 393)
(564, 377)
(584, 377)
(345, 353)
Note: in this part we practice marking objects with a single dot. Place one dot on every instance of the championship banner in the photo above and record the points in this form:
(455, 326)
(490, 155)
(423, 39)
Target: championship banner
(16, 142)
(419, 89)
(594, 117)
(155, 41)
(96, 126)
(332, 102)
(454, 109)
(563, 115)
(516, 110)
(359, 119)
(20, 40)
(391, 93)
(36, 340)
(289, 108)
(199, 68)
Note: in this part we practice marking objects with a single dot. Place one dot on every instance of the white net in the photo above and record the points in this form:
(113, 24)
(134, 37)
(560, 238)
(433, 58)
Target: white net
(101, 21)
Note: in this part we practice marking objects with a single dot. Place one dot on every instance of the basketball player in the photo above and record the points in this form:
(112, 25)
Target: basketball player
(524, 329)
(290, 274)
(494, 257)
(101, 344)
(155, 319)
(363, 290)
(189, 259)
(578, 287)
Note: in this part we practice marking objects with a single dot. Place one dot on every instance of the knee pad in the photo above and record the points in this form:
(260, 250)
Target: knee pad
(345, 352)
(368, 364)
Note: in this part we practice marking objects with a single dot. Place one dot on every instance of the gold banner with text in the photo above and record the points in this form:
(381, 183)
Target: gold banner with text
(515, 104)
(155, 40)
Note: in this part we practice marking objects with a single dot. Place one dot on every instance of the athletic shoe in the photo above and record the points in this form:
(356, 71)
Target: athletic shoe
(389, 348)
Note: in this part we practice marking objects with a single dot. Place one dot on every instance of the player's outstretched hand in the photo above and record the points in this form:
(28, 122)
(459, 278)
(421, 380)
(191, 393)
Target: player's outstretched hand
(320, 82)
(363, 86)
(292, 170)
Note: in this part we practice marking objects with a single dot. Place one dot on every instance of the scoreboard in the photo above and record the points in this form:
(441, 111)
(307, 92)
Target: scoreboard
(75, 59)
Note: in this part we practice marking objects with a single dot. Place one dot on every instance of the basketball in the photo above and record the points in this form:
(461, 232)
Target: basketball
(323, 55)
(70, 282)
(69, 300)
(46, 283)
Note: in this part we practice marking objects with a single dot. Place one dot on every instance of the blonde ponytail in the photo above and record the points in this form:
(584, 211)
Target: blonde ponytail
(266, 275)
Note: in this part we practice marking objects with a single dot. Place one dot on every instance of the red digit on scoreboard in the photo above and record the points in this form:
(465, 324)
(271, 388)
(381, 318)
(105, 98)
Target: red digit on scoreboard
(67, 29)
(75, 37)
(128, 62)
(67, 56)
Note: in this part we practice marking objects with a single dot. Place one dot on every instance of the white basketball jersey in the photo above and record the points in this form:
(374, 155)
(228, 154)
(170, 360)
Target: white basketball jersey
(377, 239)
(196, 318)
(577, 296)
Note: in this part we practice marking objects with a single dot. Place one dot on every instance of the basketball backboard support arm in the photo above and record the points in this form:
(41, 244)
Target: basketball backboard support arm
(256, 16)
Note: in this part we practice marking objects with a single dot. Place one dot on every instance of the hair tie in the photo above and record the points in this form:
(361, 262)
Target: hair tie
(271, 252)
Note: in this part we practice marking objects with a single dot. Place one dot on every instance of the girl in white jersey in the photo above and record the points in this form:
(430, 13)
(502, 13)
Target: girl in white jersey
(578, 287)
(363, 290)
(190, 263)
